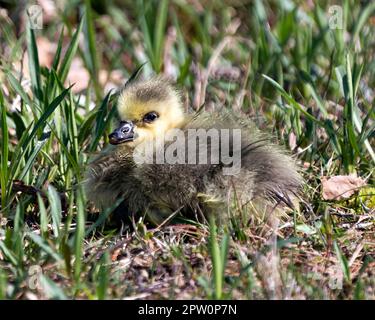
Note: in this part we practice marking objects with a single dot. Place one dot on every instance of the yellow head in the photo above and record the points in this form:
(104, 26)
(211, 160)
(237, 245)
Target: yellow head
(147, 111)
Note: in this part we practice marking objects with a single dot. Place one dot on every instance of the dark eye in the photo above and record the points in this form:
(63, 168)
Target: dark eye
(150, 117)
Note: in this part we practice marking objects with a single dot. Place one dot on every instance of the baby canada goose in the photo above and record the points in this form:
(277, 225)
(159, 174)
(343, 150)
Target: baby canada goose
(199, 164)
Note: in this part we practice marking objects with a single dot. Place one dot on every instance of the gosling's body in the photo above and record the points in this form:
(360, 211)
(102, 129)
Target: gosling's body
(267, 175)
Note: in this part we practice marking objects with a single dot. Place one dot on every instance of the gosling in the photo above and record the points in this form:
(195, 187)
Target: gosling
(149, 111)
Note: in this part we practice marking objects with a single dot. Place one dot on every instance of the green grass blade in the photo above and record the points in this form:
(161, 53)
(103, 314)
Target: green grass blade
(4, 151)
(291, 101)
(216, 260)
(44, 246)
(103, 277)
(30, 161)
(56, 59)
(42, 121)
(27, 138)
(89, 32)
(101, 121)
(52, 290)
(34, 67)
(135, 74)
(43, 217)
(161, 21)
(69, 55)
(8, 254)
(365, 15)
(343, 262)
(55, 209)
(79, 234)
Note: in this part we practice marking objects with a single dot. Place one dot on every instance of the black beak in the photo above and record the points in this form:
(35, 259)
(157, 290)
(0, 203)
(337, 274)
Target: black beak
(124, 133)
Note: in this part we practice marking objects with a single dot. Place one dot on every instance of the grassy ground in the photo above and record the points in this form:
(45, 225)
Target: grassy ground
(283, 63)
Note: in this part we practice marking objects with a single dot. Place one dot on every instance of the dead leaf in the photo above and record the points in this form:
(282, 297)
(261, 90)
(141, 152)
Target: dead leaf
(341, 187)
(115, 254)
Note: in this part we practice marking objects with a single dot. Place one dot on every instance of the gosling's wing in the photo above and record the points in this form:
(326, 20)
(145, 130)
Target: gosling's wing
(274, 171)
(276, 174)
